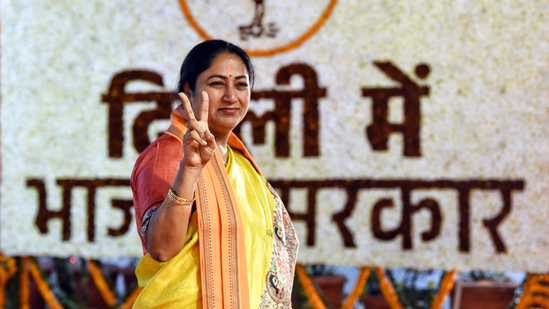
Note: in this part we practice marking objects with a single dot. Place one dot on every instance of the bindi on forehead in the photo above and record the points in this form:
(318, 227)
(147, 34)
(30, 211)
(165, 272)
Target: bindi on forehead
(230, 69)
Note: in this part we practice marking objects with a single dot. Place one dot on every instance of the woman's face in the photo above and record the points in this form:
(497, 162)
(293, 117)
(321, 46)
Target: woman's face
(228, 86)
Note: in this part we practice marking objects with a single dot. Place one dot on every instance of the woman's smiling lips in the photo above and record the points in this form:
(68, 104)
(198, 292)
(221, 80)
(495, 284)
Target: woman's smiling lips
(229, 110)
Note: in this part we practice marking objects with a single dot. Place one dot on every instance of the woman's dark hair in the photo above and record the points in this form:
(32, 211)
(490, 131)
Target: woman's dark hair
(201, 57)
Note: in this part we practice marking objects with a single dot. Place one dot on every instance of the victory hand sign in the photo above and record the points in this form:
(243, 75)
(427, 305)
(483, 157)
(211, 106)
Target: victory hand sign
(198, 143)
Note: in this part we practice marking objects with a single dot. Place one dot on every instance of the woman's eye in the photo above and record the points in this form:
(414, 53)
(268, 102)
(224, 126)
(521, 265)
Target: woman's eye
(216, 84)
(242, 85)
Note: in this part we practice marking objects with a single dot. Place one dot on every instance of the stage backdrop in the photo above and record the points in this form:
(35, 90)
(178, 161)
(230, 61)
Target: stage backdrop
(399, 133)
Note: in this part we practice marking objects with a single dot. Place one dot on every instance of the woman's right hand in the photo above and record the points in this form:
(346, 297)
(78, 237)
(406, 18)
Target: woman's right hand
(198, 143)
(166, 234)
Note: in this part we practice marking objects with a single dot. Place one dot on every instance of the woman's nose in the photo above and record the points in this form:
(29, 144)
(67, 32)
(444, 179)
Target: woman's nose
(230, 96)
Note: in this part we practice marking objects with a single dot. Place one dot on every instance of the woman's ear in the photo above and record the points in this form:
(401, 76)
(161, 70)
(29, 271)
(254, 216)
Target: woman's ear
(187, 90)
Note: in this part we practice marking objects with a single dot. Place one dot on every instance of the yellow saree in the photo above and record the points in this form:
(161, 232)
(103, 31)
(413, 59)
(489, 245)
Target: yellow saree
(228, 256)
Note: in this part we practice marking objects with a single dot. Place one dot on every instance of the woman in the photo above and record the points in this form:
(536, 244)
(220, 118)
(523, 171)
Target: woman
(214, 232)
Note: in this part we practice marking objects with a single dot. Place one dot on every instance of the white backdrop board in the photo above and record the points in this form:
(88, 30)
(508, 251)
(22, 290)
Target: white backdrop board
(399, 133)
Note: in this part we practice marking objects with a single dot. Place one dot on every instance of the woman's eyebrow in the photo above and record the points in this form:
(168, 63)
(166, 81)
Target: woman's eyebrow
(218, 76)
(225, 77)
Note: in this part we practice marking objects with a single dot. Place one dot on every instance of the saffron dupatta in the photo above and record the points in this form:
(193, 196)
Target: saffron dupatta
(223, 267)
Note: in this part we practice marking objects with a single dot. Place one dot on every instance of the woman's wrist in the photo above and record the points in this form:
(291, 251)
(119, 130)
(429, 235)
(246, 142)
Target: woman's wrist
(179, 200)
(191, 167)
(185, 181)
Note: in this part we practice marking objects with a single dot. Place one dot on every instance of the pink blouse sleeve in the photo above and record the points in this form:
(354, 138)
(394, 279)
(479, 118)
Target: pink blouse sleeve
(152, 176)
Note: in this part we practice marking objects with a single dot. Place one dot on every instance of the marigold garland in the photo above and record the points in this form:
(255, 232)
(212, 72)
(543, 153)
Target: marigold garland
(446, 285)
(540, 289)
(5, 274)
(359, 287)
(101, 284)
(42, 286)
(533, 302)
(131, 299)
(24, 290)
(533, 290)
(315, 299)
(309, 288)
(28, 263)
(387, 289)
